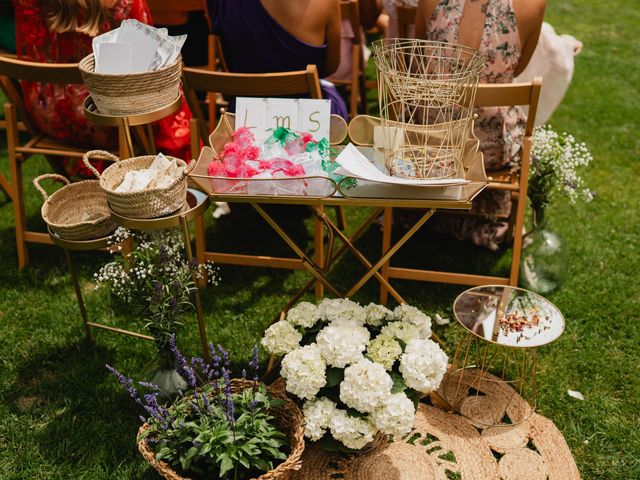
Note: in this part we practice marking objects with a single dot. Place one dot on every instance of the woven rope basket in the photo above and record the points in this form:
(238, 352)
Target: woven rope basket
(65, 211)
(133, 93)
(288, 419)
(150, 203)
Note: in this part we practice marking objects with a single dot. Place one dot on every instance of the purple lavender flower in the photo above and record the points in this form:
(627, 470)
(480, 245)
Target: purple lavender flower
(155, 410)
(150, 385)
(255, 363)
(253, 404)
(228, 397)
(127, 383)
(157, 292)
(224, 356)
(244, 374)
(205, 401)
(181, 364)
(197, 362)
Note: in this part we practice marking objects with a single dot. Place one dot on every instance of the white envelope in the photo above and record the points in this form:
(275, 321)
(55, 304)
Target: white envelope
(115, 58)
(144, 46)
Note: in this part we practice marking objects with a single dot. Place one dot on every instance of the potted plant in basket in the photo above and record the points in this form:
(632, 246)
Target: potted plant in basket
(359, 371)
(556, 159)
(155, 282)
(225, 428)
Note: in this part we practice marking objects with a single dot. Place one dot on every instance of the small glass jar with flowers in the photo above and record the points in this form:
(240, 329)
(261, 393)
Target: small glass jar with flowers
(155, 283)
(358, 371)
(556, 161)
(220, 427)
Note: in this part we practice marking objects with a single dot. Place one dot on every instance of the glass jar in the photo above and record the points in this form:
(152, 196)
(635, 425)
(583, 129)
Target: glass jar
(545, 258)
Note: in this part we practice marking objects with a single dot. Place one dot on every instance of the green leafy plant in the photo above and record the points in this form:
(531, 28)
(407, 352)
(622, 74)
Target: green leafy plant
(223, 428)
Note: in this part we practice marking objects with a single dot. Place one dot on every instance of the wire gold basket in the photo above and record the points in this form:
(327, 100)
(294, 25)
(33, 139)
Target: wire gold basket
(426, 92)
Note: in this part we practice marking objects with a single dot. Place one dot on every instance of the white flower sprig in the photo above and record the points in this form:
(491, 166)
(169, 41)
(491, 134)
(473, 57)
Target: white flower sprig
(154, 280)
(557, 157)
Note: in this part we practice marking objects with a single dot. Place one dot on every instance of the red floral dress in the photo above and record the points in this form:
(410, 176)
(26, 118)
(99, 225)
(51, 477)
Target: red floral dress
(57, 110)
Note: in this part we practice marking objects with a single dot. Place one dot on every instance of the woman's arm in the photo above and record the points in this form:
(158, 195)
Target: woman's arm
(531, 16)
(333, 39)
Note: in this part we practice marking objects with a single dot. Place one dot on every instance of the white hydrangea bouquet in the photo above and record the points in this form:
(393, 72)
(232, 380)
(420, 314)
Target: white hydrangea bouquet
(358, 370)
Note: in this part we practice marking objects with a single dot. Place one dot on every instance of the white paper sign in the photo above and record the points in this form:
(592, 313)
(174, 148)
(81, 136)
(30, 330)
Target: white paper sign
(282, 112)
(315, 117)
(303, 115)
(252, 112)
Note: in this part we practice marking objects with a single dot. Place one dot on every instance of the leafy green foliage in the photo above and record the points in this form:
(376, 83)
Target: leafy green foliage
(201, 439)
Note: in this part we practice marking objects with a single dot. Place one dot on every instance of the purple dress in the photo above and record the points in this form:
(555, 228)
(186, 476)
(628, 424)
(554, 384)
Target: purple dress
(253, 42)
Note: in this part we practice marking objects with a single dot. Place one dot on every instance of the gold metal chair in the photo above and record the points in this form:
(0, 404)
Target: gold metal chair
(515, 182)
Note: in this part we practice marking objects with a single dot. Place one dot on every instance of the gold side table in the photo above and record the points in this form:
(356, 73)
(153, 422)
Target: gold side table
(124, 124)
(197, 203)
(82, 246)
(504, 326)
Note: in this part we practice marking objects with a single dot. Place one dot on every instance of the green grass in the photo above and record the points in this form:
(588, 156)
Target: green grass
(62, 416)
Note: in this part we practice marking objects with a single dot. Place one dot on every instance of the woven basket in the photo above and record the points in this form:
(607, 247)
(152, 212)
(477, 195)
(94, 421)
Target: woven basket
(288, 419)
(65, 209)
(150, 203)
(133, 93)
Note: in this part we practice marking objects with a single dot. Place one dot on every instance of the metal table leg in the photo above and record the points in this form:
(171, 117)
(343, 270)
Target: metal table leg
(76, 287)
(184, 223)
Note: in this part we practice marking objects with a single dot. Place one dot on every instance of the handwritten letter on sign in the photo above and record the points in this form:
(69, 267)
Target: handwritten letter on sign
(304, 115)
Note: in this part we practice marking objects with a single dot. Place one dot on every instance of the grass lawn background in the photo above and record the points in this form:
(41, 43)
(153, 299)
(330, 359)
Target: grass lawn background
(63, 416)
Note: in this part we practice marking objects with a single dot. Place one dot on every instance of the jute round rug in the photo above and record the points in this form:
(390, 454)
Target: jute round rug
(447, 446)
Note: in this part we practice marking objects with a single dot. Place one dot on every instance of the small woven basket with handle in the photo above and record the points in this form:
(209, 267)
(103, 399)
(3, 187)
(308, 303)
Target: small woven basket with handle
(149, 203)
(288, 419)
(132, 93)
(78, 211)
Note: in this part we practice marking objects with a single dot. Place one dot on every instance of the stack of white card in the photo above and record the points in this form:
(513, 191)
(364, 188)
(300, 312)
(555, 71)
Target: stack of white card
(162, 173)
(135, 47)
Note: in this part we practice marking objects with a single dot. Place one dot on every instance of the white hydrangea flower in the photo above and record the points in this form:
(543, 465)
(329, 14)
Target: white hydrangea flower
(342, 343)
(365, 386)
(423, 364)
(414, 316)
(401, 330)
(395, 415)
(281, 338)
(376, 315)
(304, 370)
(317, 417)
(335, 309)
(353, 432)
(304, 314)
(385, 351)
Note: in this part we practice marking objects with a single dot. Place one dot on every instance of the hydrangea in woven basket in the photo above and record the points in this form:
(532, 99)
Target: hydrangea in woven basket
(223, 428)
(359, 370)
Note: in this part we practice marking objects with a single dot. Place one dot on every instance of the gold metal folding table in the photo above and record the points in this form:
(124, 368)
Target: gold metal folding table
(320, 266)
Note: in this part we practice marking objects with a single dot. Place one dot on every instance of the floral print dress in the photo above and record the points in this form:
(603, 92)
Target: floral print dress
(57, 110)
(499, 129)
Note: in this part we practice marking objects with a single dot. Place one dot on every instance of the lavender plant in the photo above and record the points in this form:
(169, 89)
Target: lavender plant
(154, 280)
(210, 430)
(556, 158)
